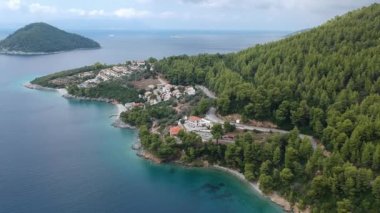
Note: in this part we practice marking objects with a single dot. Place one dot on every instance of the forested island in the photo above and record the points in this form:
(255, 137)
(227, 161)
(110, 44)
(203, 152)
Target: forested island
(42, 38)
(324, 82)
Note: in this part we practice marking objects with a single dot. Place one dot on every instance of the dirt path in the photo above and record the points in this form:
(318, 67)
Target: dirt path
(162, 81)
(206, 91)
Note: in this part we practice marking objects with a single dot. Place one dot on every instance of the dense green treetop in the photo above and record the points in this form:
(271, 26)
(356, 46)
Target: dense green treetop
(44, 38)
(298, 81)
(326, 81)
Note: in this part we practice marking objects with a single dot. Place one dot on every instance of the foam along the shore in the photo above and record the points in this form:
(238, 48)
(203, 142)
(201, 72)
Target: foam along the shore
(118, 123)
(120, 108)
(274, 197)
(61, 91)
(38, 87)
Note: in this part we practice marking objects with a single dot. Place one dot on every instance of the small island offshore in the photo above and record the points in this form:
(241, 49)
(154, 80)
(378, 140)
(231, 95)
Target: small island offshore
(42, 38)
(297, 118)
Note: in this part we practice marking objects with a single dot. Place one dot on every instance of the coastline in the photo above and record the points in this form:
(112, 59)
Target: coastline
(21, 53)
(148, 156)
(38, 87)
(107, 100)
(274, 197)
(63, 92)
(117, 123)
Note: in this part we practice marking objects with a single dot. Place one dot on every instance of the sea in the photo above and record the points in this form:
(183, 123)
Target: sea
(59, 155)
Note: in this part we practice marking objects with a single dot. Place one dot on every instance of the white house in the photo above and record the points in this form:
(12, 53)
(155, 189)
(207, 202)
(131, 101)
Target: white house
(190, 90)
(204, 123)
(195, 121)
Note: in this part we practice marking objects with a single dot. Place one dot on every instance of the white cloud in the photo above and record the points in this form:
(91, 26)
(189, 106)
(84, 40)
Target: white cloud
(167, 14)
(309, 5)
(82, 12)
(39, 8)
(128, 13)
(79, 12)
(328, 5)
(143, 1)
(13, 4)
(96, 13)
(239, 4)
(213, 3)
(131, 13)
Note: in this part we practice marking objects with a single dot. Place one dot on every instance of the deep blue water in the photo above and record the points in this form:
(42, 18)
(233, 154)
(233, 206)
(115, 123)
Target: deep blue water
(58, 155)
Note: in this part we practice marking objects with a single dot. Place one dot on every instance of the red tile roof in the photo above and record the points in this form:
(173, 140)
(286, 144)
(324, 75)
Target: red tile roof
(175, 130)
(194, 118)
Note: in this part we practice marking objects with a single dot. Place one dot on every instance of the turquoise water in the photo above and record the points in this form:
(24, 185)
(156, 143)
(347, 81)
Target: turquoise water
(58, 155)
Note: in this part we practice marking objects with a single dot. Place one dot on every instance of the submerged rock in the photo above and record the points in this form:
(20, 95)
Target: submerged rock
(136, 146)
(120, 124)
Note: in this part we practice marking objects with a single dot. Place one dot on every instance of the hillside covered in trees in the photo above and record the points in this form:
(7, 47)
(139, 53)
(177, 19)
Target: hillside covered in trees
(325, 81)
(43, 38)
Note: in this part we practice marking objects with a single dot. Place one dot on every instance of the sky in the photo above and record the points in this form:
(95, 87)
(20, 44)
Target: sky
(281, 15)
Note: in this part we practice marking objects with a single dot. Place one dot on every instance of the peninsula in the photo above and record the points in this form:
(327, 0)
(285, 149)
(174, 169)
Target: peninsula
(324, 82)
(42, 38)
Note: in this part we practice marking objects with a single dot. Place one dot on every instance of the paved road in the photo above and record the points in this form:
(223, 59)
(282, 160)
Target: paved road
(313, 141)
(211, 116)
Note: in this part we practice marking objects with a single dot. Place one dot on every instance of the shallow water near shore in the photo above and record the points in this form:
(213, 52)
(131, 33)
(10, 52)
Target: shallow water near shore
(60, 155)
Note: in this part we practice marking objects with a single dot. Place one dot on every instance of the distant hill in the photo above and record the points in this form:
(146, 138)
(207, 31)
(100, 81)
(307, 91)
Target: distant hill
(41, 38)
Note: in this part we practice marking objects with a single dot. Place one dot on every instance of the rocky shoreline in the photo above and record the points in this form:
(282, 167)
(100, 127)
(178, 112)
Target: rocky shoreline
(68, 96)
(38, 87)
(23, 53)
(274, 197)
(120, 124)
(148, 156)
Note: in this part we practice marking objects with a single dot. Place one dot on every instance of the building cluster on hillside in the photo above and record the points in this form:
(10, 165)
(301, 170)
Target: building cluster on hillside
(114, 72)
(200, 126)
(163, 92)
(137, 65)
(197, 123)
(86, 74)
